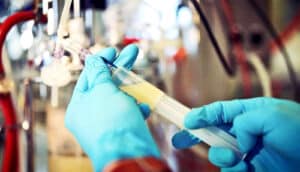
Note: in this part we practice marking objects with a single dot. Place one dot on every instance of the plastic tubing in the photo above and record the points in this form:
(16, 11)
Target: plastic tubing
(64, 18)
(262, 74)
(76, 4)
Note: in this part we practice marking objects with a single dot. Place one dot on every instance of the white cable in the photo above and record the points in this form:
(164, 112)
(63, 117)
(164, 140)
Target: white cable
(63, 23)
(262, 74)
(51, 20)
(76, 6)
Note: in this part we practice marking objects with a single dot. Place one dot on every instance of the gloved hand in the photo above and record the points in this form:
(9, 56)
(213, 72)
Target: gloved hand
(267, 129)
(107, 123)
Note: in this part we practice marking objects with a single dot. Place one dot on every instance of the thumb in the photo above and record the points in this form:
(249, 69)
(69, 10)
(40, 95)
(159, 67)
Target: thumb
(145, 109)
(95, 70)
(183, 139)
(127, 57)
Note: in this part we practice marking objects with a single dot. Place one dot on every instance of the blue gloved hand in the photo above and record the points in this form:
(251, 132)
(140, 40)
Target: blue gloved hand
(267, 129)
(107, 123)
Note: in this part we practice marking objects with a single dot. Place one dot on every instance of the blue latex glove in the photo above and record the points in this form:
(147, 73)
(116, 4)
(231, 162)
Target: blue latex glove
(267, 129)
(107, 123)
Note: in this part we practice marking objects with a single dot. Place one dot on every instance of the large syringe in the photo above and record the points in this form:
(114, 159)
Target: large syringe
(161, 103)
(169, 108)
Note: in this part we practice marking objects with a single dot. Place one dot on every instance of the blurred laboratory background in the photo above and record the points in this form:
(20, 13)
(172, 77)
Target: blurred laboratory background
(195, 51)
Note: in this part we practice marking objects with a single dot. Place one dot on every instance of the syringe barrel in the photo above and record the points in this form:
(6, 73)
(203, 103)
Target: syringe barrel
(169, 108)
(174, 111)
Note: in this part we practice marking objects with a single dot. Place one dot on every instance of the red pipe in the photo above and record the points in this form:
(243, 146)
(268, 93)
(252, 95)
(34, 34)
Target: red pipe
(10, 161)
(238, 50)
(11, 146)
(288, 32)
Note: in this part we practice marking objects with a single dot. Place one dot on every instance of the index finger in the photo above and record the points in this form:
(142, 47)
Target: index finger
(223, 112)
(95, 70)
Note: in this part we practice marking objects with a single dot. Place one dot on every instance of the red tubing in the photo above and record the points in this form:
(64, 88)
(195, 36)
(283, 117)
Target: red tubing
(238, 50)
(11, 146)
(10, 161)
(288, 32)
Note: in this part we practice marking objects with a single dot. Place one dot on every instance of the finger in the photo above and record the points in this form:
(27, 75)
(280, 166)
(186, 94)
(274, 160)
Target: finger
(251, 125)
(240, 167)
(145, 109)
(107, 53)
(82, 82)
(223, 111)
(127, 56)
(184, 139)
(95, 70)
(222, 157)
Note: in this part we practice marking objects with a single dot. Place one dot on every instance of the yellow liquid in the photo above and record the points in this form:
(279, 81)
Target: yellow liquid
(60, 163)
(144, 92)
